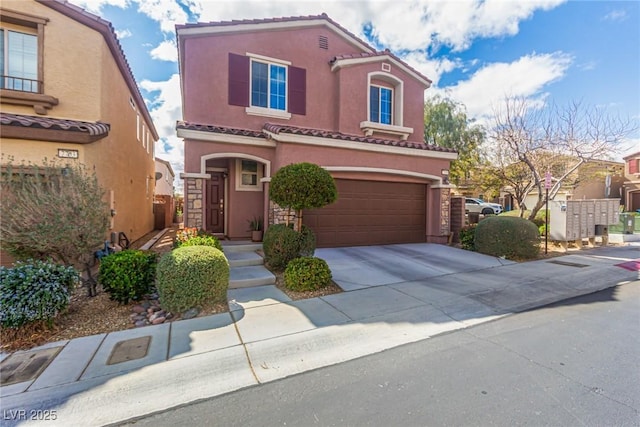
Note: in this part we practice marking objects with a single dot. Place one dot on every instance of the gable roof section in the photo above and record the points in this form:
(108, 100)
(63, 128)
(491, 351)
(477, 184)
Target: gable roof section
(386, 55)
(267, 24)
(49, 129)
(167, 164)
(106, 29)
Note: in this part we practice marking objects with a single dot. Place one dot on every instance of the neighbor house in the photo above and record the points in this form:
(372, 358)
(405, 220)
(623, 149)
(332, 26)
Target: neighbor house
(164, 178)
(631, 196)
(261, 94)
(67, 93)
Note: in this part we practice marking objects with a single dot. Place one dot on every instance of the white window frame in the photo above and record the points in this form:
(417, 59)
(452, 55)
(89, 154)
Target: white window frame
(396, 128)
(393, 101)
(262, 111)
(6, 59)
(138, 126)
(259, 175)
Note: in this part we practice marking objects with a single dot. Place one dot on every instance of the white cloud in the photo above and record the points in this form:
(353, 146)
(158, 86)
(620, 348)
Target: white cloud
(167, 12)
(526, 77)
(399, 25)
(123, 34)
(615, 15)
(166, 109)
(95, 6)
(432, 68)
(165, 51)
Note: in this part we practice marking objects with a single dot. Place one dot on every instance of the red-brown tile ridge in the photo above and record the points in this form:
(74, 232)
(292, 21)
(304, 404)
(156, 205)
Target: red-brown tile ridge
(219, 129)
(293, 130)
(92, 128)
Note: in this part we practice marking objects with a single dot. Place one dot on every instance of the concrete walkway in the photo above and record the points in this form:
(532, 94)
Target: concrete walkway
(266, 336)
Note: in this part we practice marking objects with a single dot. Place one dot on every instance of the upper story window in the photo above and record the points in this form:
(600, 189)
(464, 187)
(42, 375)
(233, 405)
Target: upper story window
(385, 106)
(19, 61)
(266, 86)
(380, 104)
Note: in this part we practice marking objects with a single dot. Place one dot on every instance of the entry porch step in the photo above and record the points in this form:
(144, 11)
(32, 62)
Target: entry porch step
(243, 258)
(230, 246)
(254, 275)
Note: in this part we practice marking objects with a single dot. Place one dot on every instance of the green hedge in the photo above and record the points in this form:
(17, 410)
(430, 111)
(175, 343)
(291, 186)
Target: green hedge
(34, 291)
(202, 240)
(281, 244)
(509, 237)
(192, 276)
(128, 275)
(307, 274)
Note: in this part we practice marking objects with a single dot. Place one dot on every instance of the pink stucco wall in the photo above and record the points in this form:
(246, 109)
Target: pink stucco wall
(335, 100)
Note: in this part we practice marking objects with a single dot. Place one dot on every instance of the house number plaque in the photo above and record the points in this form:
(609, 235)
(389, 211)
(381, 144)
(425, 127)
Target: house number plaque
(67, 154)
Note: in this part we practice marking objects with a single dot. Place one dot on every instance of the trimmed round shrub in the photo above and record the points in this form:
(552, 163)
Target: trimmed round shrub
(509, 237)
(192, 276)
(201, 241)
(127, 275)
(302, 186)
(33, 291)
(307, 274)
(467, 237)
(281, 244)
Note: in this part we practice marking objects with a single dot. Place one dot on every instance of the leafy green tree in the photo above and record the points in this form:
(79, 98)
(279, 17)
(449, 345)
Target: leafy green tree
(446, 124)
(53, 211)
(301, 186)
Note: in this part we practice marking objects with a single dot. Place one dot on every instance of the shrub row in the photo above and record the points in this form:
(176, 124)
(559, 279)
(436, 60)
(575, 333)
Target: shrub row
(127, 275)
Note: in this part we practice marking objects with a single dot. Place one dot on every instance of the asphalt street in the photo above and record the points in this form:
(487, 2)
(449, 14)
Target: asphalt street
(570, 363)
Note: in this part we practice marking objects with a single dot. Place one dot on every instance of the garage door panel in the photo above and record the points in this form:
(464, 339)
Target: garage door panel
(371, 213)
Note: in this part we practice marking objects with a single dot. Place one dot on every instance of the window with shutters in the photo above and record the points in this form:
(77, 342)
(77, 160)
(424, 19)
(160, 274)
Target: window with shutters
(266, 86)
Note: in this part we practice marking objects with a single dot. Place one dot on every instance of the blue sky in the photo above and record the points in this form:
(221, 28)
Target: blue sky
(475, 51)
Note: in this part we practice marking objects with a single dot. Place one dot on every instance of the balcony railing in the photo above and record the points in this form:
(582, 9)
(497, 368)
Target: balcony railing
(21, 84)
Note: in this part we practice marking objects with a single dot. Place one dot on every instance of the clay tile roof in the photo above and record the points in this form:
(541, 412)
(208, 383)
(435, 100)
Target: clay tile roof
(219, 129)
(275, 21)
(277, 129)
(94, 129)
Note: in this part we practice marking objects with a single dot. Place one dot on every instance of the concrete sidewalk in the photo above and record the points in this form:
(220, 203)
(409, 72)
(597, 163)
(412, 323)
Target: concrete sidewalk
(266, 336)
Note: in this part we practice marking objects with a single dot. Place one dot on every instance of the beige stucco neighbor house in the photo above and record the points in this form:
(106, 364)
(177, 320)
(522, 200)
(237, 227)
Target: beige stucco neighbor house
(67, 93)
(164, 178)
(261, 94)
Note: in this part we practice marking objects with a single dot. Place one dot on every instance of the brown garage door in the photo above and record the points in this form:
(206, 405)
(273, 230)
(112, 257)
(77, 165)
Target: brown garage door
(370, 213)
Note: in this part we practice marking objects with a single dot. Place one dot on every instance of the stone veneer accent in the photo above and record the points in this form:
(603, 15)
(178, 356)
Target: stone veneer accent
(457, 217)
(445, 198)
(278, 215)
(193, 202)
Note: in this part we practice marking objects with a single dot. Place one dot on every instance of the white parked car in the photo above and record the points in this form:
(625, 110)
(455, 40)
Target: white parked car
(480, 206)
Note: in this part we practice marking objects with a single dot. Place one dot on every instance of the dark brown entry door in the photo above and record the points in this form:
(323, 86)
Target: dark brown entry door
(215, 203)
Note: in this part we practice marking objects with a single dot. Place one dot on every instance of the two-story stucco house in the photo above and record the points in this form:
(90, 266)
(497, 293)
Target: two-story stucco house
(261, 94)
(67, 93)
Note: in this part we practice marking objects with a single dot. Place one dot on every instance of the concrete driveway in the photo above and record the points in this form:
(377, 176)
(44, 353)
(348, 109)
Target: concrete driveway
(366, 266)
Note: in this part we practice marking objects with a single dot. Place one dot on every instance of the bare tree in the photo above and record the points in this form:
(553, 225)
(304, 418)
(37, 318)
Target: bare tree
(531, 139)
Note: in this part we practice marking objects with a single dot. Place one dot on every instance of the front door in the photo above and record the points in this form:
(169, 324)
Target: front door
(215, 203)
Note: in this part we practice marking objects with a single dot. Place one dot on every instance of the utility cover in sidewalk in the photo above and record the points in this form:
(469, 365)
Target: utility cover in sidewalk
(26, 366)
(127, 350)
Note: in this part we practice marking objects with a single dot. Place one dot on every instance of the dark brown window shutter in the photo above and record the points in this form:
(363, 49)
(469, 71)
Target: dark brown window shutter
(297, 90)
(238, 80)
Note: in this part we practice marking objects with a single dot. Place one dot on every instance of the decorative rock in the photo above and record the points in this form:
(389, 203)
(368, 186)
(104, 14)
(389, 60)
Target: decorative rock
(146, 304)
(155, 308)
(191, 313)
(158, 321)
(169, 316)
(150, 310)
(140, 323)
(138, 309)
